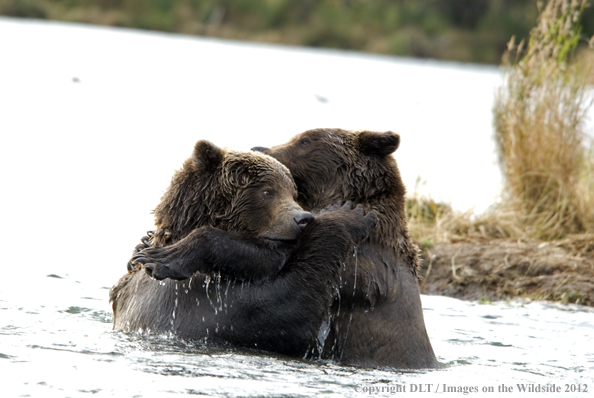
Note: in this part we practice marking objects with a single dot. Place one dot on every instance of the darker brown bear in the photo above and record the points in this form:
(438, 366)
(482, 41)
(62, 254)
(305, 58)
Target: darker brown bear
(245, 265)
(377, 319)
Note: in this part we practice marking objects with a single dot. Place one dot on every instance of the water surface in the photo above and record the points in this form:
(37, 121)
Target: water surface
(61, 344)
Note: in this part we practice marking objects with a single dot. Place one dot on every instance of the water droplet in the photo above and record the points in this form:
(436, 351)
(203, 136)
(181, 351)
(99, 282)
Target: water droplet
(218, 291)
(174, 310)
(227, 293)
(207, 285)
(356, 266)
(322, 335)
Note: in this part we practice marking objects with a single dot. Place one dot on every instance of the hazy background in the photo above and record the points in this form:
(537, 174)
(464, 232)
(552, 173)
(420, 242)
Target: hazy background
(461, 30)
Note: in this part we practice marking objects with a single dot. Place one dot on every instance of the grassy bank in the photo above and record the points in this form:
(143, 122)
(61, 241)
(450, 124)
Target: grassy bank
(545, 153)
(538, 242)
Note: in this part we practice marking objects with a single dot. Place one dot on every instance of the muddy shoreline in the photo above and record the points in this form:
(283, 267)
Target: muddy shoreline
(494, 270)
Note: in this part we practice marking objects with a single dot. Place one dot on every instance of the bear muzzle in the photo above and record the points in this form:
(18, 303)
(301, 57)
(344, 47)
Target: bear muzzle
(289, 226)
(303, 219)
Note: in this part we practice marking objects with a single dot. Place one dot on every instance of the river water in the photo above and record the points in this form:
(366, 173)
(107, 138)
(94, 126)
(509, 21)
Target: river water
(61, 345)
(93, 121)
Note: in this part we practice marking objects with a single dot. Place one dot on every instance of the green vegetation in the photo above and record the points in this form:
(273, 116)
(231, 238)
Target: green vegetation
(462, 30)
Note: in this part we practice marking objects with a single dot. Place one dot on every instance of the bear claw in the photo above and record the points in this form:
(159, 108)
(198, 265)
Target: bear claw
(141, 260)
(371, 219)
(149, 269)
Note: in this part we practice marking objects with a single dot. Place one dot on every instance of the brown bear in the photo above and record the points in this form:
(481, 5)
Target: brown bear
(377, 318)
(260, 272)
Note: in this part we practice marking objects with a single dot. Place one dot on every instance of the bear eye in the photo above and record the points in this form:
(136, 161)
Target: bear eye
(267, 193)
(304, 142)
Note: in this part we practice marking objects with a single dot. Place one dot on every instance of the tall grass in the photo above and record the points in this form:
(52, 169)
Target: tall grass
(546, 156)
(539, 123)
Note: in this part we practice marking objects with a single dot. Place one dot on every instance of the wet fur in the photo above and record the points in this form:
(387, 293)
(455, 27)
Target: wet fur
(275, 299)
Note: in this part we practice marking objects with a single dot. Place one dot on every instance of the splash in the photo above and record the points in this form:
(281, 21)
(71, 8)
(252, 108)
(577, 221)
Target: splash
(323, 335)
(348, 328)
(227, 293)
(206, 286)
(355, 254)
(174, 305)
(218, 291)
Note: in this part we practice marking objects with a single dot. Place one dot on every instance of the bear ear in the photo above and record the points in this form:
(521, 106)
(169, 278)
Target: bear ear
(207, 155)
(381, 144)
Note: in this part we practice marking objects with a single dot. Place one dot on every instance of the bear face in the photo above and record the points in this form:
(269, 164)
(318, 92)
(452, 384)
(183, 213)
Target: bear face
(250, 194)
(330, 165)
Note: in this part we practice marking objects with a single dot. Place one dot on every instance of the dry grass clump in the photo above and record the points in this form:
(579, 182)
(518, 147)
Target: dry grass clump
(430, 222)
(586, 57)
(539, 122)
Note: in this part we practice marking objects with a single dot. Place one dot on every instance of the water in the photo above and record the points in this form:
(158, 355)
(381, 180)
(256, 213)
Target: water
(61, 344)
(83, 161)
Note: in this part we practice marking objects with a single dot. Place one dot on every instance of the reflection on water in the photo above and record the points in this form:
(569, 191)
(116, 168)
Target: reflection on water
(63, 345)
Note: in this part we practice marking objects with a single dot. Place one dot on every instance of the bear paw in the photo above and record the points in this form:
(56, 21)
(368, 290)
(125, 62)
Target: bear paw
(158, 264)
(363, 225)
(353, 219)
(146, 243)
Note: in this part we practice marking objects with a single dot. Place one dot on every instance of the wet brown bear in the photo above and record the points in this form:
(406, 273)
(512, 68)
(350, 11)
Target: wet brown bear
(377, 319)
(267, 270)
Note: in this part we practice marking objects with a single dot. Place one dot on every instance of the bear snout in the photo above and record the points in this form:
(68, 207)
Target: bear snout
(303, 219)
(259, 149)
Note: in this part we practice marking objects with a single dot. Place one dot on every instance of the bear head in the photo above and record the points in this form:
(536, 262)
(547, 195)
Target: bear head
(334, 164)
(245, 192)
